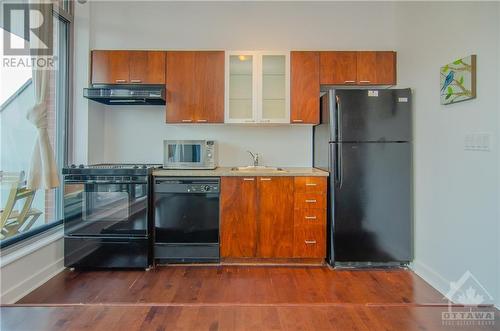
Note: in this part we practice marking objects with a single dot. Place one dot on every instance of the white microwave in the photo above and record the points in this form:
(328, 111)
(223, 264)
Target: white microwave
(189, 154)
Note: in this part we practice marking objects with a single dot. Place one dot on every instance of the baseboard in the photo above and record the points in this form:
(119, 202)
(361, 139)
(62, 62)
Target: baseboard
(34, 281)
(436, 280)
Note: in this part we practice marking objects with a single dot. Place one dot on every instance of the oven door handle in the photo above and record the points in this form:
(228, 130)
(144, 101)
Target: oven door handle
(102, 182)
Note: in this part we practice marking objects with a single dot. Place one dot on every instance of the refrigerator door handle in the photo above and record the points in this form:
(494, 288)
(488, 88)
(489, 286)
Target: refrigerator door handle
(339, 165)
(339, 118)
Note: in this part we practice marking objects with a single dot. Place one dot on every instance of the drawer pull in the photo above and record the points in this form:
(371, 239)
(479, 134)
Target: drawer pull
(121, 81)
(265, 179)
(310, 242)
(297, 121)
(135, 81)
(311, 217)
(311, 201)
(249, 179)
(202, 121)
(349, 81)
(187, 121)
(311, 184)
(364, 81)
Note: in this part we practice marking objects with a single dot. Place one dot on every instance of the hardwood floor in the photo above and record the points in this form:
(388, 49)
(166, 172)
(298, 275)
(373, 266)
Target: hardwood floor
(232, 298)
(236, 284)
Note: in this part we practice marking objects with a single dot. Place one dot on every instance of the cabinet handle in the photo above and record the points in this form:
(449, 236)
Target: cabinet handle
(120, 81)
(311, 201)
(311, 217)
(187, 121)
(249, 179)
(310, 184)
(349, 82)
(364, 81)
(249, 121)
(202, 121)
(265, 121)
(265, 179)
(310, 242)
(135, 81)
(297, 121)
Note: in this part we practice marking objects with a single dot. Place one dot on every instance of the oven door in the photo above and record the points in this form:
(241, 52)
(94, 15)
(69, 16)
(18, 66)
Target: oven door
(184, 155)
(111, 209)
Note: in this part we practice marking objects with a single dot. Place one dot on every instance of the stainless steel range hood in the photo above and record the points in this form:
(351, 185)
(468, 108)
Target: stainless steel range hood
(126, 94)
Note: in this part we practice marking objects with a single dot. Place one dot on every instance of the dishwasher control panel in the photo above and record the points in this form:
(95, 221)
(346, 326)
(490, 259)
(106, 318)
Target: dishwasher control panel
(187, 185)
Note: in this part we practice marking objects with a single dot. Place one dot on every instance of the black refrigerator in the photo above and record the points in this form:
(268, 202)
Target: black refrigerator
(364, 142)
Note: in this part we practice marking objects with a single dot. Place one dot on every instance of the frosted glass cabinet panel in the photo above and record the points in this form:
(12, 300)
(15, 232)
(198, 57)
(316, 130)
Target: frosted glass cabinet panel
(257, 87)
(274, 88)
(240, 81)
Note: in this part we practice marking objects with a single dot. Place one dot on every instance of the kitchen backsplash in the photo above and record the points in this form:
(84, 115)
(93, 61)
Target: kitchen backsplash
(136, 134)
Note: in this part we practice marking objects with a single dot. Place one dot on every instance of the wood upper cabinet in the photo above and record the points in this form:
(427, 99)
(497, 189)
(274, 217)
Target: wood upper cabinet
(275, 217)
(376, 68)
(128, 67)
(147, 67)
(338, 68)
(358, 68)
(305, 89)
(110, 67)
(238, 217)
(195, 87)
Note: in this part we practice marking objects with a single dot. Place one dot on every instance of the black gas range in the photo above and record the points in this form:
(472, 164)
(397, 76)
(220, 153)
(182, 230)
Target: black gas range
(108, 215)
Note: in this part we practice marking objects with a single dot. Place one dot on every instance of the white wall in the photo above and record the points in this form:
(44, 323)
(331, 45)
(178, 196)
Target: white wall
(456, 191)
(135, 134)
(25, 267)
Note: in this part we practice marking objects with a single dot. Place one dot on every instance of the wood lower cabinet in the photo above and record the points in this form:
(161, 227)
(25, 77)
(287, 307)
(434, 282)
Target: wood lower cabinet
(238, 235)
(304, 86)
(265, 218)
(195, 87)
(275, 216)
(310, 217)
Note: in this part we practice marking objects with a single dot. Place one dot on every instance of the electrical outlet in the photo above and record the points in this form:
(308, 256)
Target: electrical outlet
(477, 142)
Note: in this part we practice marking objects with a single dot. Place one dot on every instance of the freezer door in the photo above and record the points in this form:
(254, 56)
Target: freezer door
(372, 115)
(371, 196)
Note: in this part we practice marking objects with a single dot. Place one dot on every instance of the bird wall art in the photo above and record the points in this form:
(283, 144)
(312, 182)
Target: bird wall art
(458, 80)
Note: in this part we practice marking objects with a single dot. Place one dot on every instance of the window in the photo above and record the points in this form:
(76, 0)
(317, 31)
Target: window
(25, 212)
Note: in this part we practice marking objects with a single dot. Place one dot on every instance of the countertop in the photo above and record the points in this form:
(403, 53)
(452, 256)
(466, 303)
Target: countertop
(226, 171)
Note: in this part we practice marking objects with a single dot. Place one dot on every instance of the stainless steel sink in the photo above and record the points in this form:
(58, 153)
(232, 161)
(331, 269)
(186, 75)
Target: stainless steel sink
(257, 169)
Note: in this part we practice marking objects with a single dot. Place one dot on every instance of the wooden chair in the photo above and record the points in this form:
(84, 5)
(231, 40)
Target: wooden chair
(11, 220)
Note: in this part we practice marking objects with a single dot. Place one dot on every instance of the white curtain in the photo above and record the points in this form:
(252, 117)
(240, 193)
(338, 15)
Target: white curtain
(43, 172)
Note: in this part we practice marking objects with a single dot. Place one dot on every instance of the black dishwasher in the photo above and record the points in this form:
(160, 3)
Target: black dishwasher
(186, 214)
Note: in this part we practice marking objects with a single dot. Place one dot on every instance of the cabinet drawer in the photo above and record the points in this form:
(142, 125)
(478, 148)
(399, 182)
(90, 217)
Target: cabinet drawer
(309, 241)
(310, 184)
(310, 201)
(308, 217)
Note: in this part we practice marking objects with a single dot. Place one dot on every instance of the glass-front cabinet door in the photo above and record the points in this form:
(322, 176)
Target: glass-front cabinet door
(257, 87)
(275, 98)
(241, 91)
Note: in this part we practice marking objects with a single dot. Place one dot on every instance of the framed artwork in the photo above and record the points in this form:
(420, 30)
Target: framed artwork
(458, 80)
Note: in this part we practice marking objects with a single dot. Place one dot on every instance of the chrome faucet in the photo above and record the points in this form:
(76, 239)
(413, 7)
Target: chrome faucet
(255, 157)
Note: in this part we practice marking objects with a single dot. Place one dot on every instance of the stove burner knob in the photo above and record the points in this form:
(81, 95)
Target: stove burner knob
(144, 166)
(73, 166)
(206, 188)
(81, 166)
(135, 166)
